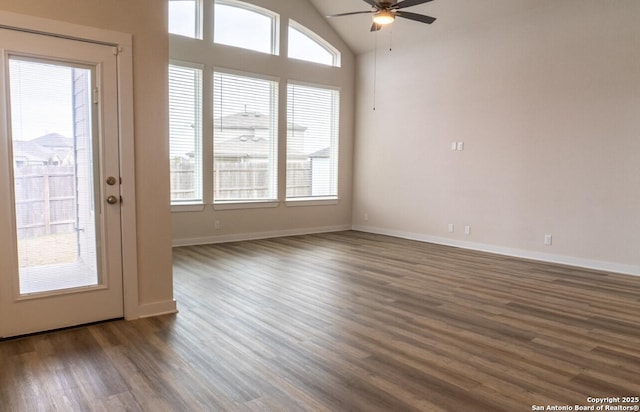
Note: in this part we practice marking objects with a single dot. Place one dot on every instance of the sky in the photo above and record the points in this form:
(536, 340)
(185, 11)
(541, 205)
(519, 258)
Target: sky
(41, 99)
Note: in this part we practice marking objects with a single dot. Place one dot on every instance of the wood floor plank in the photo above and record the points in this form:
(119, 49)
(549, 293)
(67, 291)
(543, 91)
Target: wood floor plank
(345, 321)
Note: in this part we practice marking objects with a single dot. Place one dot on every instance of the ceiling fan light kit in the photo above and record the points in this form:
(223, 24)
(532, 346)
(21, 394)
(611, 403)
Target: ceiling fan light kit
(384, 17)
(386, 11)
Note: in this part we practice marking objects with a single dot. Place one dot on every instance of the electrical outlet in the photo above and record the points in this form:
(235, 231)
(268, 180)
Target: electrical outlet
(467, 230)
(450, 227)
(548, 240)
(217, 225)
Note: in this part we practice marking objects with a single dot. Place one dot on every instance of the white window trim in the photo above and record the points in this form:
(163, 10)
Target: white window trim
(235, 205)
(262, 76)
(187, 207)
(312, 201)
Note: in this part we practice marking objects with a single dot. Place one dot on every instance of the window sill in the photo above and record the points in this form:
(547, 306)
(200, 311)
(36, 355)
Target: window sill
(246, 205)
(310, 201)
(187, 207)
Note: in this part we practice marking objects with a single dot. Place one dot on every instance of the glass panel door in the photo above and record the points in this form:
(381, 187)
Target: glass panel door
(60, 209)
(53, 165)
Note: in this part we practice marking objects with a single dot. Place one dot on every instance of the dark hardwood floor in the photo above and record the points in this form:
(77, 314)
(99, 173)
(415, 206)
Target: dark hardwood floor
(346, 322)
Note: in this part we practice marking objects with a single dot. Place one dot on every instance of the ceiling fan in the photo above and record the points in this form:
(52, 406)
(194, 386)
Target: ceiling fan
(386, 11)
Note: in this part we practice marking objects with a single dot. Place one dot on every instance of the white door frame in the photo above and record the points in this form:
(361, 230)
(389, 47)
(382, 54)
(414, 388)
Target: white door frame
(122, 42)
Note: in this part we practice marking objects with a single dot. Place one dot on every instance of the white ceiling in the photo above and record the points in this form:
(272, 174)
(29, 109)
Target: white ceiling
(450, 14)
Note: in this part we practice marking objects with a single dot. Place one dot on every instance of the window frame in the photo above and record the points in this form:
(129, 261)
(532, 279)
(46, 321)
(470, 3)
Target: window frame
(319, 40)
(275, 24)
(224, 204)
(212, 56)
(198, 35)
(334, 147)
(190, 205)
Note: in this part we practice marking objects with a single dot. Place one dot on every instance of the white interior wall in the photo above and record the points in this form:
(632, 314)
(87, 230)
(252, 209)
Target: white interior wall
(547, 104)
(194, 227)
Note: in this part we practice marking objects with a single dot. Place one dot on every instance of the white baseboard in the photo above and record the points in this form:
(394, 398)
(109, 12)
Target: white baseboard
(157, 308)
(237, 237)
(520, 253)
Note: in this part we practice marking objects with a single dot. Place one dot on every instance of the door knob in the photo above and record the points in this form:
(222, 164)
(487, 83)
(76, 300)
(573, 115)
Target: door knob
(112, 200)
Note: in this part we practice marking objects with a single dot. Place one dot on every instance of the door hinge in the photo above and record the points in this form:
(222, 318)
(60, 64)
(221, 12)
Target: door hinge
(96, 95)
(117, 50)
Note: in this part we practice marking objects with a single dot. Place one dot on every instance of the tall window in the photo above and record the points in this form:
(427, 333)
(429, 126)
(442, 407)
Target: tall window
(184, 18)
(229, 155)
(244, 25)
(245, 138)
(185, 133)
(306, 45)
(312, 141)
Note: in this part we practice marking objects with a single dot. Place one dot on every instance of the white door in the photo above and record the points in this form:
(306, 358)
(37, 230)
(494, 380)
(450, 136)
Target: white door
(60, 231)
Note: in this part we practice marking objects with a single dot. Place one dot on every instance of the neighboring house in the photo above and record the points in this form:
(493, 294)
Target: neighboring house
(52, 149)
(59, 145)
(55, 141)
(246, 135)
(243, 143)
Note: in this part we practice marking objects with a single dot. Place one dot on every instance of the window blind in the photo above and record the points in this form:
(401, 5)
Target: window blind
(245, 138)
(185, 134)
(312, 141)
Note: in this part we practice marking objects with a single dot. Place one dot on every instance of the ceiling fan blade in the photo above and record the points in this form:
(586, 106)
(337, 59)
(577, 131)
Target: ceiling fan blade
(351, 13)
(373, 3)
(376, 27)
(417, 17)
(408, 3)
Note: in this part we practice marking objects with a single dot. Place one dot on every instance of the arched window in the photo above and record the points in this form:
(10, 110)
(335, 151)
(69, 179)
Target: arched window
(185, 18)
(247, 26)
(306, 45)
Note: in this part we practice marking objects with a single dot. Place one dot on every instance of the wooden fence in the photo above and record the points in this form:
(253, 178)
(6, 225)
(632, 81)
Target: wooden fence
(240, 180)
(45, 200)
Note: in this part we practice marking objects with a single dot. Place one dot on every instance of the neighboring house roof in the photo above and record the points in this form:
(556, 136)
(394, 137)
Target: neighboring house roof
(249, 121)
(326, 152)
(31, 152)
(52, 148)
(245, 134)
(54, 140)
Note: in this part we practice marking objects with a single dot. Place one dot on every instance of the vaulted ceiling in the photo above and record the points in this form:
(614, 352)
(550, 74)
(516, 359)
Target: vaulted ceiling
(450, 14)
